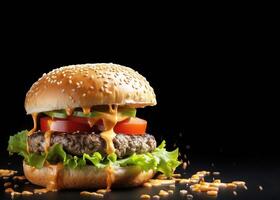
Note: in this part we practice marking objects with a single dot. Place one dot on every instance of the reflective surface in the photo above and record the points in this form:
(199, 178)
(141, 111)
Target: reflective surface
(255, 172)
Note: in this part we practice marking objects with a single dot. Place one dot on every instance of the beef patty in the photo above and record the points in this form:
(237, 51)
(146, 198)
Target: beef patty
(79, 143)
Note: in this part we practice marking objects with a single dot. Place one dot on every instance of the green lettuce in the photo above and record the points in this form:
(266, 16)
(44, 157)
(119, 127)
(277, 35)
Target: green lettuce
(160, 160)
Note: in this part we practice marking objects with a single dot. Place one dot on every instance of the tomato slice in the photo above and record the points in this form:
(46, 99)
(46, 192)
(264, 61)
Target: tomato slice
(131, 126)
(63, 125)
(82, 120)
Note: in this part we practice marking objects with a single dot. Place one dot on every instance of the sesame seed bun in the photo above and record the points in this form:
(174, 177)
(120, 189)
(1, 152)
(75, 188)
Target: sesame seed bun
(87, 85)
(87, 177)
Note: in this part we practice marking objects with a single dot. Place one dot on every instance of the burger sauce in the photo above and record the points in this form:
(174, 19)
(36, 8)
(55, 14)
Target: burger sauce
(34, 117)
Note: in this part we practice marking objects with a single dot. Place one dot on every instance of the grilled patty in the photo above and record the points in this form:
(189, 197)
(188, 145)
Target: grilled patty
(79, 143)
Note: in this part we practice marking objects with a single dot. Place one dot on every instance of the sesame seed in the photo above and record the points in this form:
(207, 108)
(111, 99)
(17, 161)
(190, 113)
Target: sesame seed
(183, 192)
(84, 94)
(70, 81)
(145, 196)
(212, 193)
(156, 197)
(170, 191)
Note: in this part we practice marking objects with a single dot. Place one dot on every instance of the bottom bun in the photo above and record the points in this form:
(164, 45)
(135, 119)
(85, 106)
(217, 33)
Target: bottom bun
(87, 177)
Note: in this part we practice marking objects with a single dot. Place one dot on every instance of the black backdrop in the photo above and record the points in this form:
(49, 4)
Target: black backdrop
(214, 85)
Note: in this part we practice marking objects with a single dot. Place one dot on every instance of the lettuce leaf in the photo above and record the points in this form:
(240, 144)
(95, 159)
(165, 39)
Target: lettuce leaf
(160, 160)
(166, 161)
(17, 144)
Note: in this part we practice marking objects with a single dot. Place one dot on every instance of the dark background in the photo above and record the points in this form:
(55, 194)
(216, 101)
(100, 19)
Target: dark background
(215, 84)
(214, 76)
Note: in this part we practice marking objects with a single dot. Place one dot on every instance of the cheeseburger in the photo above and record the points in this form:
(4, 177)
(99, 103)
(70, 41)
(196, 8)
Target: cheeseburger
(86, 133)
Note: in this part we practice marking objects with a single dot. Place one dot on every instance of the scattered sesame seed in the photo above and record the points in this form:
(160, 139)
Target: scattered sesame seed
(239, 183)
(261, 188)
(183, 192)
(147, 185)
(231, 186)
(156, 197)
(184, 166)
(27, 193)
(163, 193)
(212, 193)
(172, 186)
(170, 191)
(145, 196)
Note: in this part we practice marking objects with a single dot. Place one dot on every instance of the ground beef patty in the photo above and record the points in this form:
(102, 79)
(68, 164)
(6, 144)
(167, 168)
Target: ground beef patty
(79, 143)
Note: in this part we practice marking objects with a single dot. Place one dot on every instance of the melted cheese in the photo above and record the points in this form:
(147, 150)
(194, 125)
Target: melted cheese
(55, 182)
(47, 137)
(92, 121)
(69, 111)
(109, 121)
(86, 110)
(34, 117)
(110, 177)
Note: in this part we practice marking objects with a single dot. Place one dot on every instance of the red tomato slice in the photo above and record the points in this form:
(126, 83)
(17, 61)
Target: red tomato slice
(131, 126)
(82, 120)
(63, 125)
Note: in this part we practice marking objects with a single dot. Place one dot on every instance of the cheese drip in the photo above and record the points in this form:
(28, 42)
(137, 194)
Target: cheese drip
(34, 117)
(47, 137)
(110, 179)
(69, 111)
(109, 121)
(55, 182)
